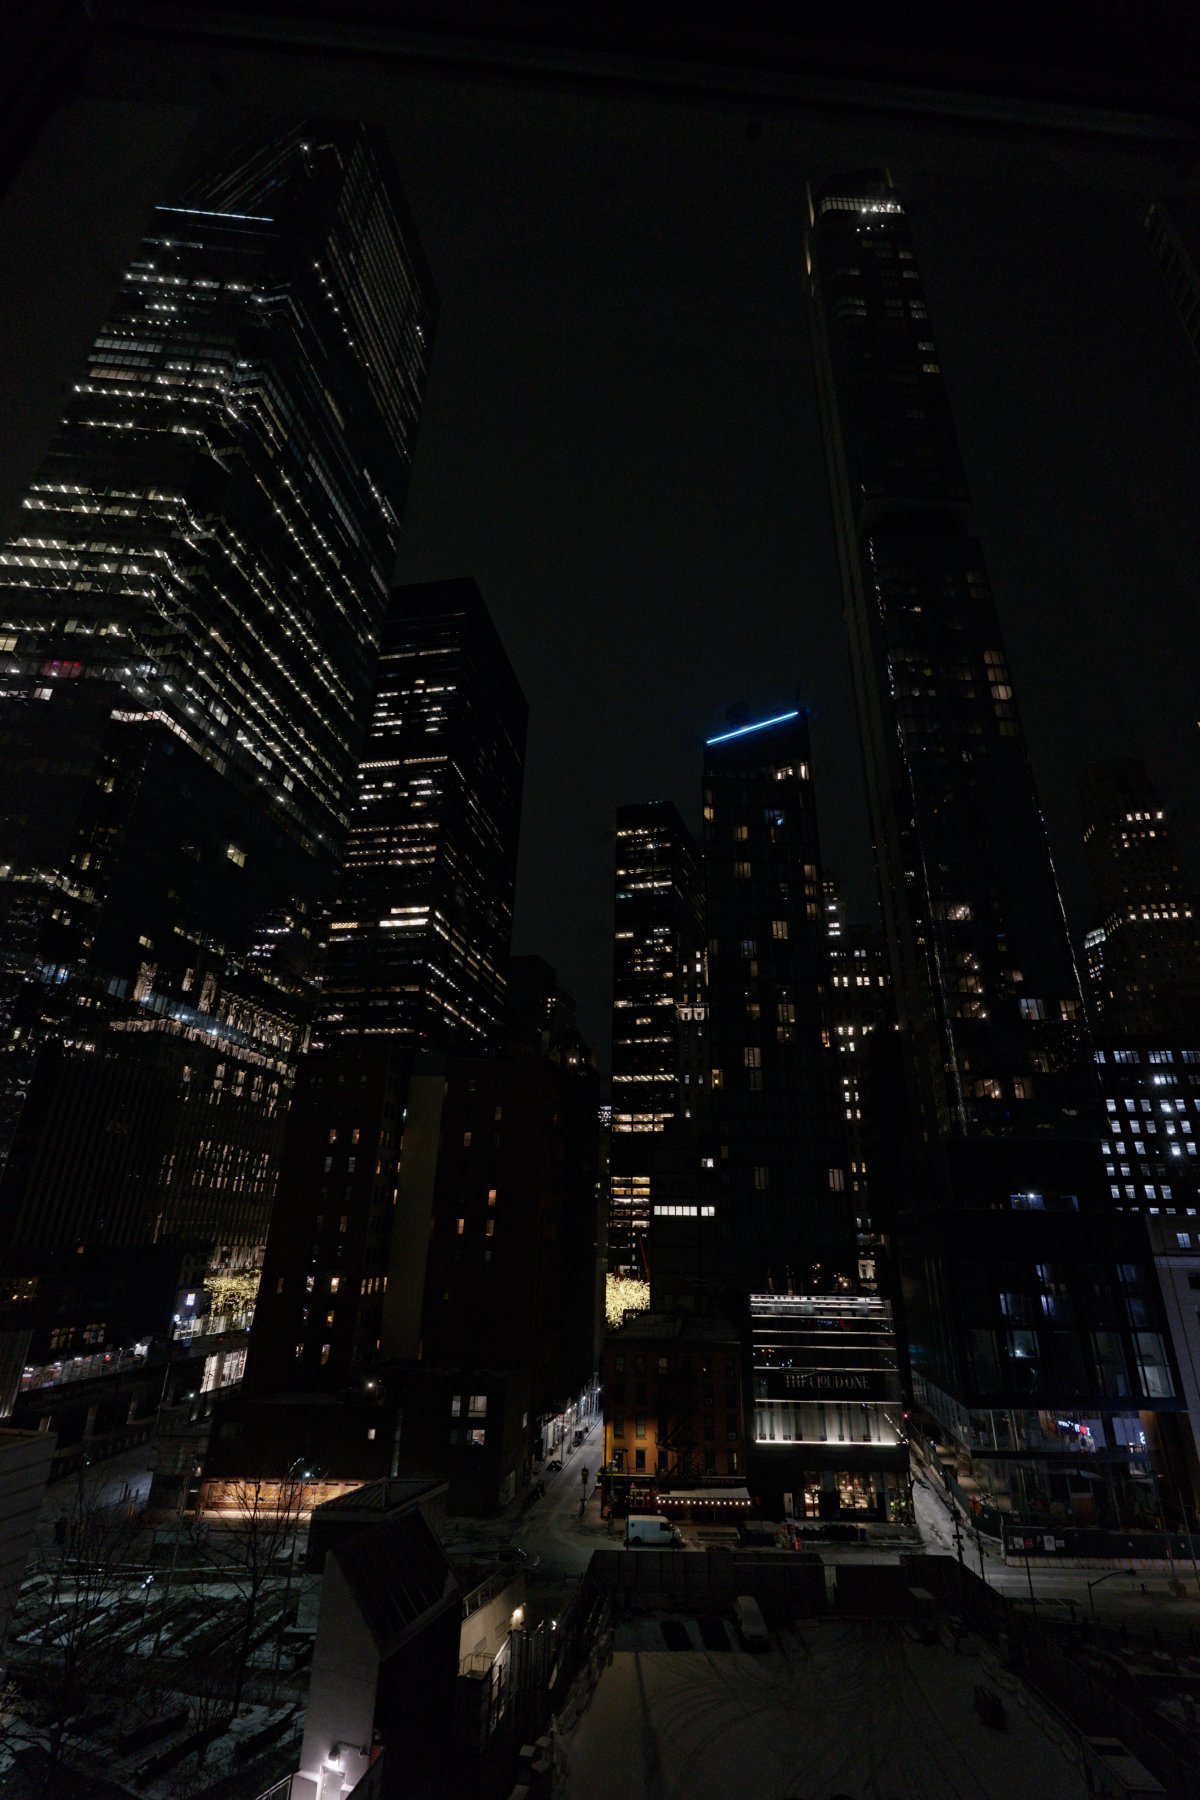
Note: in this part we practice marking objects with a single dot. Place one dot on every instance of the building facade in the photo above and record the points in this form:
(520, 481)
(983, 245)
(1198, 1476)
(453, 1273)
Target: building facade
(861, 1016)
(829, 1438)
(418, 959)
(781, 1206)
(1145, 966)
(986, 987)
(673, 1403)
(1151, 1089)
(659, 1030)
(1035, 1337)
(189, 617)
(421, 928)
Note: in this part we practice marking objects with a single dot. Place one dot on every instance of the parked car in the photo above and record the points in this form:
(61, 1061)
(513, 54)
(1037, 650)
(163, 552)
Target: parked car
(752, 1627)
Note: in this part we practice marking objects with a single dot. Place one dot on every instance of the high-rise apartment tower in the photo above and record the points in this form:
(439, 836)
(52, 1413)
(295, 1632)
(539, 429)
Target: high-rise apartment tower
(1021, 1285)
(782, 1218)
(986, 985)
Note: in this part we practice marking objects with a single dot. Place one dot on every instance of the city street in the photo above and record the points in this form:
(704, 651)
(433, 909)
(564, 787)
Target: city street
(1141, 1599)
(552, 1532)
(552, 1535)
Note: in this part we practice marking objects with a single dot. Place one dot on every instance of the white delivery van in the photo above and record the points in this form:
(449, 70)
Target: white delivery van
(752, 1627)
(652, 1531)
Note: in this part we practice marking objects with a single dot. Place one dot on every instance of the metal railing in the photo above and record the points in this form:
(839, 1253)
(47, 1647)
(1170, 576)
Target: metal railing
(495, 1584)
(281, 1791)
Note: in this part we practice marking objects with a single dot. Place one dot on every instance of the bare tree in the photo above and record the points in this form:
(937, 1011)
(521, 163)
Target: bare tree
(256, 1536)
(77, 1659)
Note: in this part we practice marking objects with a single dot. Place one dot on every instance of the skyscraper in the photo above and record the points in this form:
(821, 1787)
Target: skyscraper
(986, 985)
(190, 615)
(783, 1220)
(1021, 1287)
(418, 960)
(1148, 972)
(659, 1033)
(419, 941)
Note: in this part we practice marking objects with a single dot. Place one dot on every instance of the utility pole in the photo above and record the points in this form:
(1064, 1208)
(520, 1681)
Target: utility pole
(979, 1548)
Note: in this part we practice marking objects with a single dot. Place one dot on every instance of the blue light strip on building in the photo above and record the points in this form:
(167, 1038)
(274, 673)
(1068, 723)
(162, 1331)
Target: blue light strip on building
(761, 726)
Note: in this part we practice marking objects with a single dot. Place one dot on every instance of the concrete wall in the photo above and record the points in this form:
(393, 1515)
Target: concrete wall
(341, 1692)
(485, 1631)
(709, 1580)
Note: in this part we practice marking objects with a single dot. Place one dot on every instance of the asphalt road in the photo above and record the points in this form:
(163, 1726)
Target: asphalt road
(1142, 1599)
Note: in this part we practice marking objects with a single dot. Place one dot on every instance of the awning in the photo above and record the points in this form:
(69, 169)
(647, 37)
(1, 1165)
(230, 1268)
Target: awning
(705, 1496)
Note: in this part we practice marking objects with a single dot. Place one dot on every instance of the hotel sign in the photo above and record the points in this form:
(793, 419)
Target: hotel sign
(831, 1384)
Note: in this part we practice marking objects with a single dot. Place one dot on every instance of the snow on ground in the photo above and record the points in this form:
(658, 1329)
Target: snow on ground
(852, 1708)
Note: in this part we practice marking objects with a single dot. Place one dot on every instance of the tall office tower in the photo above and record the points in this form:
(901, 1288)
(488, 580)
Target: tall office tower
(1177, 252)
(418, 955)
(782, 1219)
(188, 626)
(1004, 1272)
(1149, 977)
(419, 943)
(658, 1035)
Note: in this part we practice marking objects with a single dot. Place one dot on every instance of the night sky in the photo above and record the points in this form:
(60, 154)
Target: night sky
(621, 440)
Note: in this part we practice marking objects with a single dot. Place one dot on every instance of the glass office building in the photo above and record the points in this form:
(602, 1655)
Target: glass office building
(189, 619)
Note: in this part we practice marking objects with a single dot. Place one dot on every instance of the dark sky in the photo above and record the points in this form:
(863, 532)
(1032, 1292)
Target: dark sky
(621, 441)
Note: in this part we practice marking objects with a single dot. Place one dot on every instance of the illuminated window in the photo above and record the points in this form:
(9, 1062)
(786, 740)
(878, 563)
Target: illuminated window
(459, 1227)
(325, 1350)
(491, 1196)
(779, 928)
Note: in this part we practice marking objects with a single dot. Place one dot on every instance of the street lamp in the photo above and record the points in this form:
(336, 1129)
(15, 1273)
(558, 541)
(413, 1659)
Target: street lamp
(146, 1586)
(1096, 1584)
